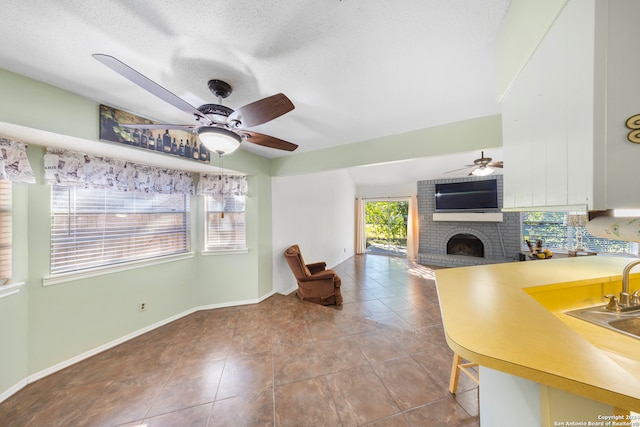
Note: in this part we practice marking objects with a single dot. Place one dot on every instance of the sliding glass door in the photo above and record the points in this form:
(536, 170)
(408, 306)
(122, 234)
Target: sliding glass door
(386, 226)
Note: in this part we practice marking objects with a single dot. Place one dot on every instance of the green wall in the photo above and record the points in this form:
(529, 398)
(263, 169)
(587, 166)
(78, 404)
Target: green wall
(43, 326)
(73, 317)
(14, 309)
(469, 135)
(30, 103)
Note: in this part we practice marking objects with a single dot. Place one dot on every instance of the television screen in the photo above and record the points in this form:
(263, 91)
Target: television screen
(467, 195)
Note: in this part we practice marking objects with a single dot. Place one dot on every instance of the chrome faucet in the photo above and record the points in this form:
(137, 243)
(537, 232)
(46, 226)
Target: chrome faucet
(635, 298)
(625, 297)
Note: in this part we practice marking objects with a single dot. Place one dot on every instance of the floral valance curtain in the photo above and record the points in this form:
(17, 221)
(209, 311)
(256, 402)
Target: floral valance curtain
(14, 163)
(219, 186)
(81, 170)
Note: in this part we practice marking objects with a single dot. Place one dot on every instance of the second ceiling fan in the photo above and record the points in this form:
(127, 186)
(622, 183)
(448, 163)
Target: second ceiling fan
(482, 166)
(220, 128)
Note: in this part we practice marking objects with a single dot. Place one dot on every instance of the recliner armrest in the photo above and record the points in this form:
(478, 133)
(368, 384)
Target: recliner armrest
(316, 267)
(323, 275)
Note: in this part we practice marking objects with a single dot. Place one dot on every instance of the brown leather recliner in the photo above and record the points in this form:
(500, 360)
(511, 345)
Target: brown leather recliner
(315, 283)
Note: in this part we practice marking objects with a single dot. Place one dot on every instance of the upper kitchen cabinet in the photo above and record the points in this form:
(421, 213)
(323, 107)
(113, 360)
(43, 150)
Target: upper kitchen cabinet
(563, 117)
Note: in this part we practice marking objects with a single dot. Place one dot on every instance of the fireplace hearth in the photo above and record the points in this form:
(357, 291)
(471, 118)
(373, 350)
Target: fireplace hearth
(465, 244)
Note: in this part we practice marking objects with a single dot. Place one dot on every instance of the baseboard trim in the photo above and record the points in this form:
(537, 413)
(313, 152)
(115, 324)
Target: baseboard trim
(12, 390)
(236, 303)
(87, 354)
(290, 291)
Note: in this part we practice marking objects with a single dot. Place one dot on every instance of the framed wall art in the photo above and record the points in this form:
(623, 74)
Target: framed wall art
(167, 141)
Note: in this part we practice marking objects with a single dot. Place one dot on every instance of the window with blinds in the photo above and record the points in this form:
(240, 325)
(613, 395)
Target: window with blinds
(556, 232)
(93, 228)
(5, 232)
(225, 223)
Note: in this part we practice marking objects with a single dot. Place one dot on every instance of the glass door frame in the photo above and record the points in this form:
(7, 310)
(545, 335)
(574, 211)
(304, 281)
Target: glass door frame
(387, 249)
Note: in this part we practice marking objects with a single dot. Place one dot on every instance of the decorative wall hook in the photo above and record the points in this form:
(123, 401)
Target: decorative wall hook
(633, 123)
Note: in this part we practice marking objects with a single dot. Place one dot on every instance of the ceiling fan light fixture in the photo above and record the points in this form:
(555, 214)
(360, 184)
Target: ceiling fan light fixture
(482, 171)
(217, 140)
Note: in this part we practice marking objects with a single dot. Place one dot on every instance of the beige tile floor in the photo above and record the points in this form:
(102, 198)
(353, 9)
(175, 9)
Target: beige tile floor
(378, 360)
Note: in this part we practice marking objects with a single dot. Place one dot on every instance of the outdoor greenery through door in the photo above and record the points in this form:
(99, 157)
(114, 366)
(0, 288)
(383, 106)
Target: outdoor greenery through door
(386, 226)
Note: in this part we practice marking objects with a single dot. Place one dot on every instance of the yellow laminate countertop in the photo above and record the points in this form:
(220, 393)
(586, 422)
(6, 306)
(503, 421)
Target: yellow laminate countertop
(493, 316)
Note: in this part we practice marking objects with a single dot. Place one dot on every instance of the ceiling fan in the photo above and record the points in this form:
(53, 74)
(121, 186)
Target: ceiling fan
(483, 166)
(220, 128)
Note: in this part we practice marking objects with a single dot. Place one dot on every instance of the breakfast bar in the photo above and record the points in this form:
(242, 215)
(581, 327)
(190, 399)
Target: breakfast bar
(509, 319)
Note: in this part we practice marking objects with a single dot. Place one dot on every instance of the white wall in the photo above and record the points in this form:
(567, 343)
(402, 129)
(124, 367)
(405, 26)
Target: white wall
(315, 211)
(404, 190)
(522, 29)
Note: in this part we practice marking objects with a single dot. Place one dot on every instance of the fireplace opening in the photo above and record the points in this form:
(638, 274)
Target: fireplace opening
(465, 244)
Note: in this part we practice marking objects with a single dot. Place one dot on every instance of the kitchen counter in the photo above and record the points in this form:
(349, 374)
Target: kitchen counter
(508, 317)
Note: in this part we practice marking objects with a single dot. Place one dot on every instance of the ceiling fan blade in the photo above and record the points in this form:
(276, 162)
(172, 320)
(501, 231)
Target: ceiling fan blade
(268, 141)
(456, 170)
(149, 85)
(186, 128)
(261, 111)
(497, 164)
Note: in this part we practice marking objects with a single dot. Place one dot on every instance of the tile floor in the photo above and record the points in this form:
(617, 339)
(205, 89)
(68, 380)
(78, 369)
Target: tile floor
(378, 360)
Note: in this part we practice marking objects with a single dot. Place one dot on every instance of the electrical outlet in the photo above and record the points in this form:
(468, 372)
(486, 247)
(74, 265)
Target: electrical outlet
(142, 306)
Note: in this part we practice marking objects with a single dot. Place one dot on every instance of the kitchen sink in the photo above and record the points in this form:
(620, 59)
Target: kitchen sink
(626, 321)
(630, 326)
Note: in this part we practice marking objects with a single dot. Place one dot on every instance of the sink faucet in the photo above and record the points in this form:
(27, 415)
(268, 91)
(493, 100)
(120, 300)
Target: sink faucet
(625, 298)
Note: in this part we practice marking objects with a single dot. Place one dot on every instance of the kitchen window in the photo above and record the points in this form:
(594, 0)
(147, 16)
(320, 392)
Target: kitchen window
(96, 228)
(564, 230)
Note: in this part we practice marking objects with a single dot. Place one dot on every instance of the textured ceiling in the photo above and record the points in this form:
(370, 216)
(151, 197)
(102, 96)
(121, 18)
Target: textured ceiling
(355, 69)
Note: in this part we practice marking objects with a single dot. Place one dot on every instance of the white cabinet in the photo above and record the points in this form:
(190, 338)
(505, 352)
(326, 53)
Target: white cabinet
(623, 101)
(564, 135)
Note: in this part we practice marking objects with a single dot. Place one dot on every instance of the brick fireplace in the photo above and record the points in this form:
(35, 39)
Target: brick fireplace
(455, 239)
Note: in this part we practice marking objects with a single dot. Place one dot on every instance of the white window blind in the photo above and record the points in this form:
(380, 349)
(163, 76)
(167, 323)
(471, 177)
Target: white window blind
(93, 228)
(225, 227)
(5, 232)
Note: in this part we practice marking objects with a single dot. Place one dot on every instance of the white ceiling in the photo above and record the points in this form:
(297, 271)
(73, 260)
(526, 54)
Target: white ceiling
(355, 69)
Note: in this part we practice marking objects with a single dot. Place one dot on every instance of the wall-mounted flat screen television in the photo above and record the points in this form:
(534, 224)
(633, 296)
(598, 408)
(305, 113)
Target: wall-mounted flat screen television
(467, 195)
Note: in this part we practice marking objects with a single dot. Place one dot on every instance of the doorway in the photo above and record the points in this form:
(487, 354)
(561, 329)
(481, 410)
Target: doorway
(386, 226)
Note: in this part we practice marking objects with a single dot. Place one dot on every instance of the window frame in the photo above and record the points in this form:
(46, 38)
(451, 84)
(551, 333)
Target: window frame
(209, 250)
(55, 277)
(9, 287)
